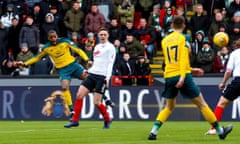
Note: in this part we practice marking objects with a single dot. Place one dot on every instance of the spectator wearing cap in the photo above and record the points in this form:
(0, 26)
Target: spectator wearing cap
(48, 24)
(8, 15)
(58, 20)
(233, 8)
(25, 53)
(142, 71)
(74, 20)
(200, 21)
(205, 57)
(19, 8)
(197, 44)
(234, 33)
(29, 34)
(37, 15)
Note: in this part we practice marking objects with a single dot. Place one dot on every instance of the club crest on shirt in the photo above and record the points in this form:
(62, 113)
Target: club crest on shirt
(96, 52)
(55, 105)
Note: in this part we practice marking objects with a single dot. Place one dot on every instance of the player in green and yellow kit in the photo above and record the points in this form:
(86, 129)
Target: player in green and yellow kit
(178, 77)
(59, 49)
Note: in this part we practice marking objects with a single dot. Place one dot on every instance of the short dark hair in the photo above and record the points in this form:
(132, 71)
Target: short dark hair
(103, 29)
(51, 31)
(178, 21)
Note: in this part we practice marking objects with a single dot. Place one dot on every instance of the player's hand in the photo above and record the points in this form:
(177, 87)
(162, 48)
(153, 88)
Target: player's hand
(221, 86)
(19, 63)
(89, 64)
(180, 83)
(197, 71)
(107, 83)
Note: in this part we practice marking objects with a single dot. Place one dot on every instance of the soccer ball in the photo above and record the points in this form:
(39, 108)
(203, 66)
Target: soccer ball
(221, 39)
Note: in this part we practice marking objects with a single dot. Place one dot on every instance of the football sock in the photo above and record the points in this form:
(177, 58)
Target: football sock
(157, 124)
(218, 128)
(103, 111)
(219, 112)
(211, 118)
(68, 99)
(77, 109)
(208, 115)
(163, 115)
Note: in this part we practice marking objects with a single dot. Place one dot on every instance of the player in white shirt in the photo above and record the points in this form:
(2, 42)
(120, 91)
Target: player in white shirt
(232, 90)
(97, 80)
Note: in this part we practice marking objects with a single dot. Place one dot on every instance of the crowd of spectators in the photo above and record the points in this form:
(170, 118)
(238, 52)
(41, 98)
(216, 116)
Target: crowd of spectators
(136, 28)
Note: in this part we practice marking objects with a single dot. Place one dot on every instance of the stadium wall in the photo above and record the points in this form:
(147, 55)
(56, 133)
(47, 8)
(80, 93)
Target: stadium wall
(24, 99)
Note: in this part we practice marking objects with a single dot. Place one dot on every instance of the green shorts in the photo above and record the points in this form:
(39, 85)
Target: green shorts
(188, 90)
(72, 70)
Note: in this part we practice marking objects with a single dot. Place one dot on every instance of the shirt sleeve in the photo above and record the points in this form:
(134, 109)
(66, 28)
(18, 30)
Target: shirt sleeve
(111, 58)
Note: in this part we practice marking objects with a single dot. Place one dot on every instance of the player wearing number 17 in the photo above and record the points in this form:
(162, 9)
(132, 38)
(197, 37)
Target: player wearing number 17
(178, 77)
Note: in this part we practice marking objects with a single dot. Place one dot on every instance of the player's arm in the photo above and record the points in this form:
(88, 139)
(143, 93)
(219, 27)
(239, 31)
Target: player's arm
(32, 60)
(80, 52)
(111, 58)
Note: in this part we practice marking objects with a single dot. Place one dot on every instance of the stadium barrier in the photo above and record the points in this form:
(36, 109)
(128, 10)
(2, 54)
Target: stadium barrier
(25, 99)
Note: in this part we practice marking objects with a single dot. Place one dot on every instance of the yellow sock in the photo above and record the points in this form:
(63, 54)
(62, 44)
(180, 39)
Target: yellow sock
(208, 114)
(67, 97)
(163, 115)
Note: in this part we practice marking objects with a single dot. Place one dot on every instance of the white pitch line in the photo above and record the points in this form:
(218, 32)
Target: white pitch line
(26, 131)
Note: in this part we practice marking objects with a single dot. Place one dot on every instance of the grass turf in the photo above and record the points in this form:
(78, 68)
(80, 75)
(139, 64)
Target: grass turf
(121, 132)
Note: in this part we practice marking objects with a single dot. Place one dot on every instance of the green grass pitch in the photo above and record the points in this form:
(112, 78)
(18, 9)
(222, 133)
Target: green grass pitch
(121, 132)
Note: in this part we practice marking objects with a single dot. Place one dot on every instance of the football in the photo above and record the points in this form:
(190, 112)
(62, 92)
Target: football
(221, 39)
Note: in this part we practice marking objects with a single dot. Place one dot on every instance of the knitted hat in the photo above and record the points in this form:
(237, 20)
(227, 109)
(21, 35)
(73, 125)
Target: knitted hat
(205, 40)
(23, 45)
(201, 32)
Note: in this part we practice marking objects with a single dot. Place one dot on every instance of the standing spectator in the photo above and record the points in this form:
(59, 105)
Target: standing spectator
(115, 31)
(128, 29)
(59, 21)
(146, 7)
(125, 69)
(220, 62)
(167, 20)
(205, 57)
(94, 20)
(234, 7)
(106, 8)
(154, 20)
(49, 24)
(199, 21)
(234, 33)
(134, 47)
(196, 46)
(13, 37)
(3, 4)
(37, 15)
(29, 34)
(163, 11)
(3, 43)
(142, 71)
(74, 20)
(214, 26)
(7, 17)
(66, 5)
(19, 8)
(31, 4)
(147, 37)
(125, 12)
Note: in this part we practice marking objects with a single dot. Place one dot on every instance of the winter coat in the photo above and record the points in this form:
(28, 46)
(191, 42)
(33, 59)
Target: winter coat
(93, 22)
(135, 49)
(74, 20)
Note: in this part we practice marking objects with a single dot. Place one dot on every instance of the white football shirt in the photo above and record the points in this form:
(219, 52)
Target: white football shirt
(234, 63)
